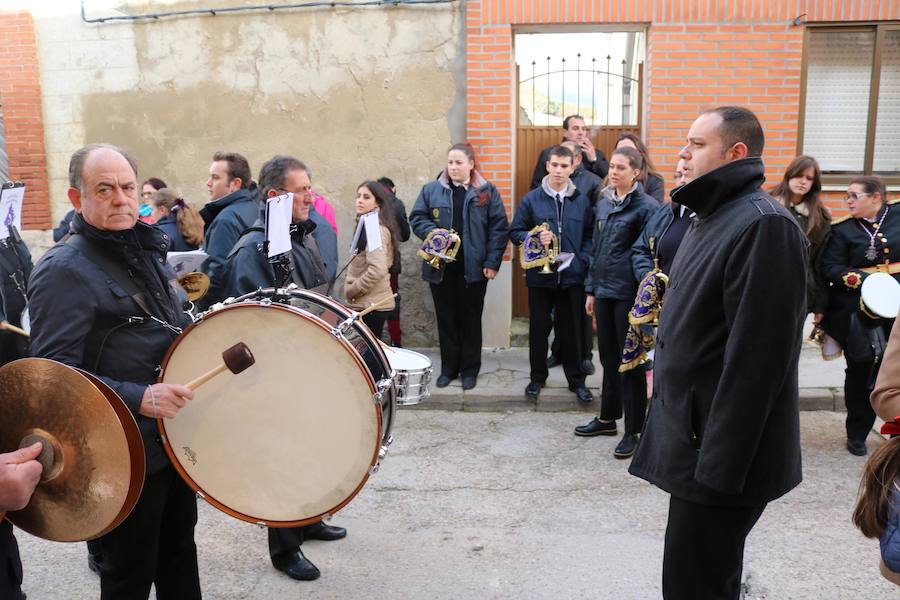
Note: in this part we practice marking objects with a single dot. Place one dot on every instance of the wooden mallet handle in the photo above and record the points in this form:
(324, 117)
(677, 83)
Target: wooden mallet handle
(236, 359)
(10, 327)
(376, 306)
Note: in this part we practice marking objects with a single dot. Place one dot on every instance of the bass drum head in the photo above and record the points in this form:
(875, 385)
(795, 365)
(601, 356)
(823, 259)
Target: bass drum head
(288, 440)
(881, 294)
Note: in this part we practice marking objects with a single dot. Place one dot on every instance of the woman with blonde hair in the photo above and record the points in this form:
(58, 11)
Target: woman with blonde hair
(178, 219)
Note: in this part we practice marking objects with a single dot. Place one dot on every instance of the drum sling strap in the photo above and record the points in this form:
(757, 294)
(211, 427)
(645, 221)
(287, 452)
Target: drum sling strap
(112, 268)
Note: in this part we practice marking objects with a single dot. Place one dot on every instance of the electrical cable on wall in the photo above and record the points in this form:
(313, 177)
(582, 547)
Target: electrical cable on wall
(261, 7)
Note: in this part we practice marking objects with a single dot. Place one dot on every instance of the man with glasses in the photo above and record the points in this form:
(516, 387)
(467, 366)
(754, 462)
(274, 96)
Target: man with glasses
(247, 268)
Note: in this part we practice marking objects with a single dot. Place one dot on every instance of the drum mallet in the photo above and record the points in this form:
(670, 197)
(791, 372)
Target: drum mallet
(236, 359)
(345, 325)
(10, 327)
(375, 306)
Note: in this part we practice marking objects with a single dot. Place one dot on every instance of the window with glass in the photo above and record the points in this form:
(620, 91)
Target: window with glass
(850, 100)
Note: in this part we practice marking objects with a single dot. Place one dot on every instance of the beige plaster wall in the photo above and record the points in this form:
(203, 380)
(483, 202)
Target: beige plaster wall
(356, 93)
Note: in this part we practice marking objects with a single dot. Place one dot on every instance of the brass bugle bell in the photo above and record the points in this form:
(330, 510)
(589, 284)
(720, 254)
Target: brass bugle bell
(196, 285)
(551, 253)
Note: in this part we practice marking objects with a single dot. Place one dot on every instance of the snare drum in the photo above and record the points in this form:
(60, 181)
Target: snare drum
(293, 438)
(413, 375)
(880, 296)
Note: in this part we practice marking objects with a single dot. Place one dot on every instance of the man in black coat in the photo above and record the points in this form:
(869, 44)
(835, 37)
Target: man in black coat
(574, 130)
(248, 269)
(129, 310)
(232, 208)
(723, 432)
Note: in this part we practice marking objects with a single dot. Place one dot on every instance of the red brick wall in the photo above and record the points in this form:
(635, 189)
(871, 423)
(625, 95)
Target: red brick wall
(20, 94)
(699, 54)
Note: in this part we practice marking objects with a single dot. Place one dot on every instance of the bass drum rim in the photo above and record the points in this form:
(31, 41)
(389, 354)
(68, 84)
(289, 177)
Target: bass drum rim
(176, 463)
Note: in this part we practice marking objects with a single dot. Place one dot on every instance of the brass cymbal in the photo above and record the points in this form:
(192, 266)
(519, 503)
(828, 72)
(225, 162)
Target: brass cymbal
(196, 284)
(97, 467)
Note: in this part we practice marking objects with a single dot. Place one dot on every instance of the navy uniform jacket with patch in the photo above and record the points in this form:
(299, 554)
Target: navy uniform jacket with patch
(538, 207)
(485, 227)
(82, 317)
(724, 424)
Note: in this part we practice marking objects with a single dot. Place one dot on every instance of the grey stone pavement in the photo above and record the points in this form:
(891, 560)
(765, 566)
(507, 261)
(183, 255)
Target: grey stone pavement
(497, 499)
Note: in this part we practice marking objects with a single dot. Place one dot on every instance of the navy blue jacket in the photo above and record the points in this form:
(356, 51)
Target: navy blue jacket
(247, 267)
(82, 317)
(587, 183)
(326, 240)
(577, 226)
(617, 229)
(224, 221)
(61, 230)
(890, 539)
(484, 231)
(169, 226)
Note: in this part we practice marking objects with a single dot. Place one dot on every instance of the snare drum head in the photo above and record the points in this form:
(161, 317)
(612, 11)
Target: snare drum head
(291, 438)
(402, 359)
(881, 295)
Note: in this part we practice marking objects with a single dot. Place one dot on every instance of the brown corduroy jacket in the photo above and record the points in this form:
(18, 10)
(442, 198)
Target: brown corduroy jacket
(886, 395)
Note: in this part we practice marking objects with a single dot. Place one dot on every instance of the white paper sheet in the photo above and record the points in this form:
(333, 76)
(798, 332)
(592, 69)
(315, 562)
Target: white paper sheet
(186, 262)
(278, 224)
(11, 200)
(564, 260)
(373, 231)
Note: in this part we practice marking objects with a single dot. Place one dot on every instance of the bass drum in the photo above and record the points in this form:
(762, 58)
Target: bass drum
(293, 438)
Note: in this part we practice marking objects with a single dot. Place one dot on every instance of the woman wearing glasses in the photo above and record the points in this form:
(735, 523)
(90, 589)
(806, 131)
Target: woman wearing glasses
(864, 242)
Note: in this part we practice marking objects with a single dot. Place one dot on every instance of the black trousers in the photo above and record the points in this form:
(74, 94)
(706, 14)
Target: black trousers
(587, 338)
(620, 391)
(153, 545)
(567, 304)
(375, 321)
(284, 542)
(859, 380)
(11, 565)
(458, 307)
(704, 550)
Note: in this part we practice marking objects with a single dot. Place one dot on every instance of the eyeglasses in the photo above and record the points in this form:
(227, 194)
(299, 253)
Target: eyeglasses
(303, 194)
(855, 195)
(146, 194)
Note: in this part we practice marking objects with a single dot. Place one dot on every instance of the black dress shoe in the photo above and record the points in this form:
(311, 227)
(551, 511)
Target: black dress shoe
(857, 447)
(297, 567)
(443, 381)
(626, 446)
(468, 382)
(553, 361)
(587, 367)
(321, 531)
(584, 395)
(533, 390)
(596, 427)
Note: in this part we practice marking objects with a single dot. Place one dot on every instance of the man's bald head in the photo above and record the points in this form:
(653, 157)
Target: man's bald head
(103, 187)
(76, 163)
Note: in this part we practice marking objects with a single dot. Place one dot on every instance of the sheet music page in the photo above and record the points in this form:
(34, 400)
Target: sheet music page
(278, 224)
(11, 200)
(565, 260)
(373, 231)
(186, 262)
